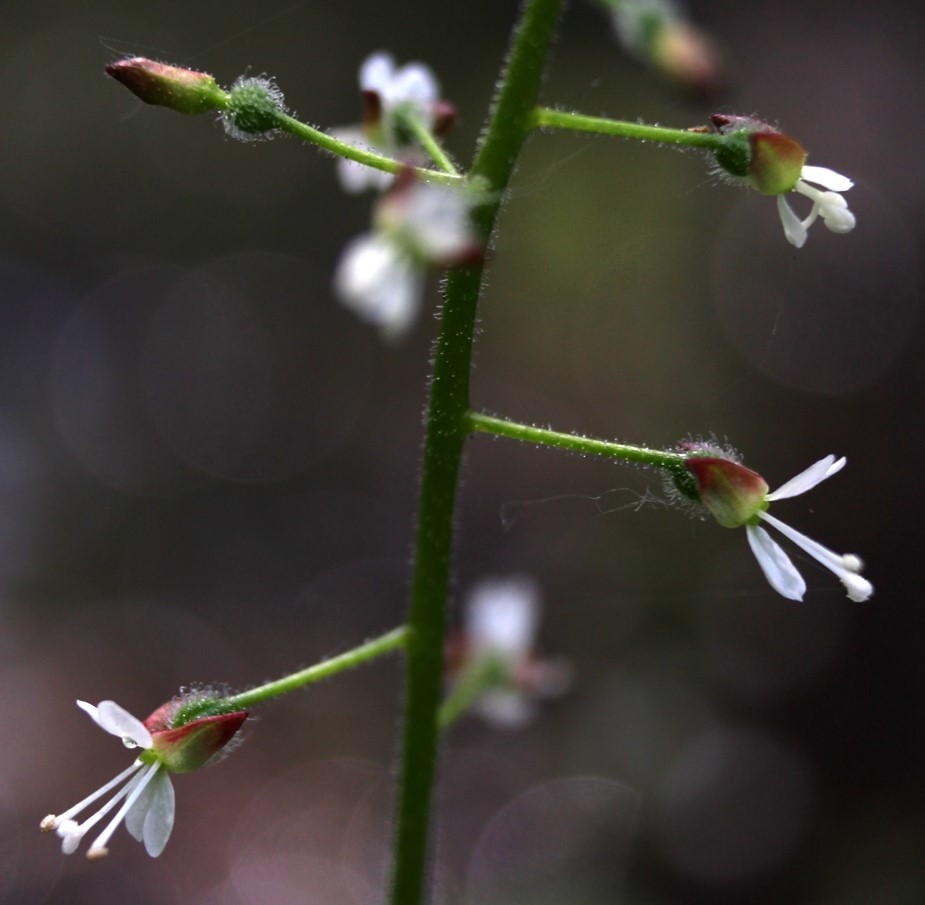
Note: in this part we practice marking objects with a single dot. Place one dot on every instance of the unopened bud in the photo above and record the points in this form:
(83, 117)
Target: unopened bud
(183, 90)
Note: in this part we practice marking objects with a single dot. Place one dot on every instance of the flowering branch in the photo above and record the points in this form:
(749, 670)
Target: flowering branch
(286, 123)
(371, 650)
(547, 118)
(639, 455)
(427, 140)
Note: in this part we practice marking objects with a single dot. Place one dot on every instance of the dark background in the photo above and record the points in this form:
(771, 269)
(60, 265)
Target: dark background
(208, 467)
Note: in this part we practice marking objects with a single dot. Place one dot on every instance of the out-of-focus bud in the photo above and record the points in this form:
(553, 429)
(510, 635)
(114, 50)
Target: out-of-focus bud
(183, 90)
(687, 57)
(659, 34)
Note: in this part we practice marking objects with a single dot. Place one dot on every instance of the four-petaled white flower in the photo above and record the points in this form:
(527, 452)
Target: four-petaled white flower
(389, 91)
(829, 204)
(737, 496)
(380, 274)
(146, 795)
(499, 633)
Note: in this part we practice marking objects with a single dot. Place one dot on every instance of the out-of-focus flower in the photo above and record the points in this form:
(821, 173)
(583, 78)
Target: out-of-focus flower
(390, 93)
(659, 34)
(416, 225)
(146, 793)
(737, 496)
(775, 164)
(494, 657)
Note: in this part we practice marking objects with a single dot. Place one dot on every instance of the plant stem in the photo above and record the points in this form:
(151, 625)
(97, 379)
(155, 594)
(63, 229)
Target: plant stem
(306, 132)
(478, 678)
(447, 428)
(546, 118)
(428, 141)
(488, 424)
(391, 641)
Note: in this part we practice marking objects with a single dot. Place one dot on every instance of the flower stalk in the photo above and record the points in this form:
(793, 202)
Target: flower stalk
(385, 644)
(447, 428)
(547, 118)
(513, 430)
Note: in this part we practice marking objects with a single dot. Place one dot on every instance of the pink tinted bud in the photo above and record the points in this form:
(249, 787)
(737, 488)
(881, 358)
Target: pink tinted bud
(733, 493)
(192, 745)
(183, 90)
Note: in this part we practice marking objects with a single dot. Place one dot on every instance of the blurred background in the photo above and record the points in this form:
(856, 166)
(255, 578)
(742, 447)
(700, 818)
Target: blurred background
(208, 467)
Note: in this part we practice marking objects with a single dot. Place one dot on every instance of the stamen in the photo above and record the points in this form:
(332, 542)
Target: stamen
(98, 848)
(99, 793)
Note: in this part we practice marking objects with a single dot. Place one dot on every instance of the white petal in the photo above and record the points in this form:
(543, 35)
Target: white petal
(436, 222)
(502, 616)
(415, 84)
(357, 177)
(827, 178)
(843, 567)
(505, 709)
(380, 284)
(776, 565)
(809, 478)
(794, 229)
(151, 817)
(377, 72)
(117, 721)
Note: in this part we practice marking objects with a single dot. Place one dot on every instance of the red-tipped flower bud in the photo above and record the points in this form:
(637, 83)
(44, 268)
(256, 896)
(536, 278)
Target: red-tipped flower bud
(770, 161)
(194, 744)
(733, 493)
(183, 90)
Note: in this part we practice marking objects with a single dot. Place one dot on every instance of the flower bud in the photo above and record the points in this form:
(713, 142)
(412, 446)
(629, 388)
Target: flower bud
(770, 161)
(183, 90)
(733, 493)
(191, 744)
(188, 747)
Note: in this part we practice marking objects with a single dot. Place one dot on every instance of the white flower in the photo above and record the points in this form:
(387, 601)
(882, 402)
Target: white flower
(829, 205)
(147, 798)
(380, 275)
(388, 90)
(380, 283)
(501, 621)
(776, 564)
